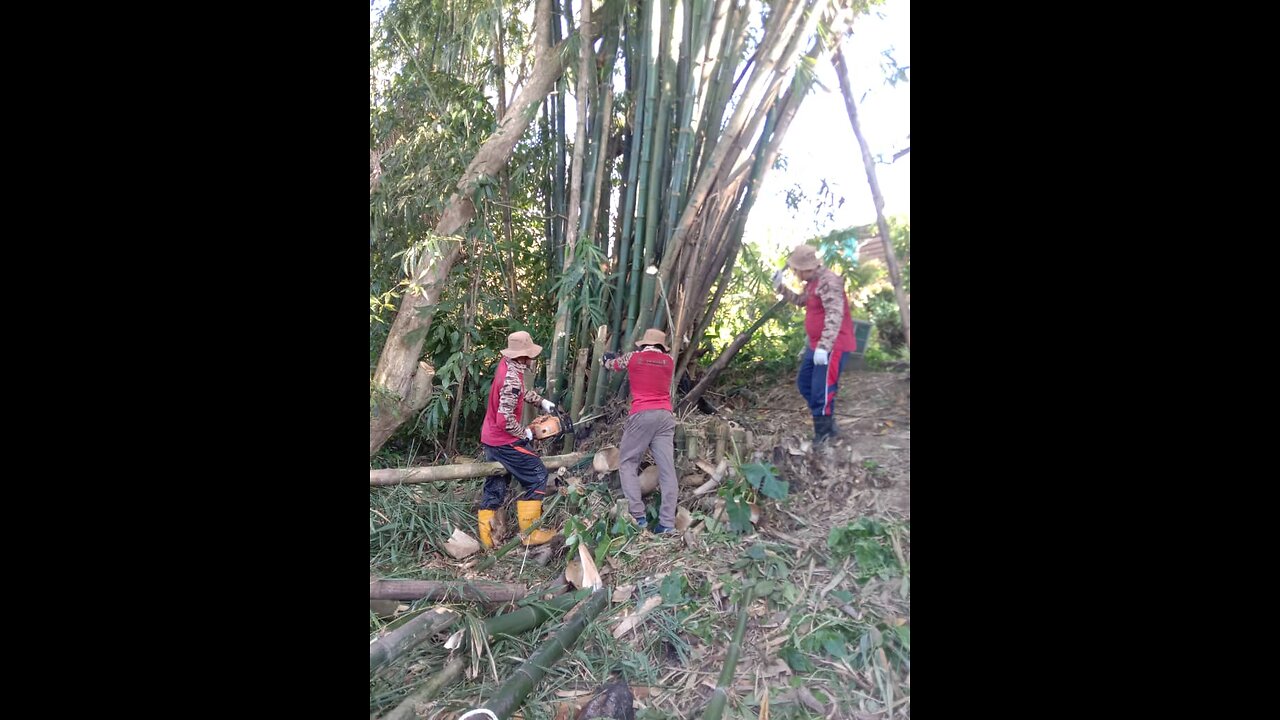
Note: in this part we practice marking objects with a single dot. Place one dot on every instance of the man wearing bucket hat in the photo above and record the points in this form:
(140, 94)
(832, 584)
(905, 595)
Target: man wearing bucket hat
(506, 442)
(829, 326)
(651, 426)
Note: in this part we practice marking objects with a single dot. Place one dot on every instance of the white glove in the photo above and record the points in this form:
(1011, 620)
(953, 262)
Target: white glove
(777, 280)
(819, 357)
(548, 406)
(528, 434)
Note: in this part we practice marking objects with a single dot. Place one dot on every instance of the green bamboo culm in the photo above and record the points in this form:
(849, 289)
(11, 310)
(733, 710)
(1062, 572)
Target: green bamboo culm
(444, 677)
(646, 164)
(387, 649)
(512, 623)
(715, 708)
(688, 64)
(521, 682)
(636, 93)
(657, 172)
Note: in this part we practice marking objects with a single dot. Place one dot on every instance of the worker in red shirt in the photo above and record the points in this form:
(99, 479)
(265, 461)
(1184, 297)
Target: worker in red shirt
(506, 442)
(829, 326)
(651, 425)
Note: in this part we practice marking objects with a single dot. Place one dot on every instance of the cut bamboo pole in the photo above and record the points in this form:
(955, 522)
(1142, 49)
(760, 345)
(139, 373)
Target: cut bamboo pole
(386, 649)
(432, 473)
(715, 708)
(444, 590)
(446, 676)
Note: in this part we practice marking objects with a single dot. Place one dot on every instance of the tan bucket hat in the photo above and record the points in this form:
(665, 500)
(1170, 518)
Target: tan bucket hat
(519, 344)
(653, 336)
(804, 257)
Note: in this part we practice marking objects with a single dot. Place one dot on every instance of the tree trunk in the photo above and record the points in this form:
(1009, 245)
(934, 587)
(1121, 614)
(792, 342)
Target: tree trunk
(446, 590)
(895, 274)
(395, 376)
(432, 473)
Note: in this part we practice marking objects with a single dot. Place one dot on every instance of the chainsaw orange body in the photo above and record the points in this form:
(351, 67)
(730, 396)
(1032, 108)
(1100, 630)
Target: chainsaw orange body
(547, 426)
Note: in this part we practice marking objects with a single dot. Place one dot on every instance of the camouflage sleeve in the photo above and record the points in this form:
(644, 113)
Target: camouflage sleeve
(618, 363)
(531, 396)
(795, 298)
(508, 403)
(831, 292)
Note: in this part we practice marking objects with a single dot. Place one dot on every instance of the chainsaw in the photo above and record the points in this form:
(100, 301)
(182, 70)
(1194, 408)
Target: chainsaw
(552, 426)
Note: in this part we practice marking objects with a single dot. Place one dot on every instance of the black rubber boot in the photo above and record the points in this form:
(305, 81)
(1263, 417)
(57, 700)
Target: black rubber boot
(824, 428)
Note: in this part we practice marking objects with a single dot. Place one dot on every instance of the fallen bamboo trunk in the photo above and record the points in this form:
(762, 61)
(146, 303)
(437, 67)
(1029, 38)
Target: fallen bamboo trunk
(446, 676)
(530, 616)
(521, 682)
(431, 473)
(386, 649)
(715, 708)
(481, 590)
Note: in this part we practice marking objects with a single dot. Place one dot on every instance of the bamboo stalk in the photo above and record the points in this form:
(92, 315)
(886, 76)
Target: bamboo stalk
(596, 390)
(757, 90)
(513, 692)
(579, 392)
(431, 473)
(512, 623)
(558, 197)
(395, 644)
(646, 165)
(715, 708)
(446, 676)
(721, 362)
(629, 199)
(693, 442)
(657, 172)
(445, 590)
(725, 258)
(529, 616)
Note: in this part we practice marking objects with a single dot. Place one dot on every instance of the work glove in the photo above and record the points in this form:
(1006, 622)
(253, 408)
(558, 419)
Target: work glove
(819, 357)
(607, 357)
(777, 280)
(548, 406)
(528, 434)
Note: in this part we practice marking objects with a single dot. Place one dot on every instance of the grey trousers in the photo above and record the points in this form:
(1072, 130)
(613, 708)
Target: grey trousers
(654, 430)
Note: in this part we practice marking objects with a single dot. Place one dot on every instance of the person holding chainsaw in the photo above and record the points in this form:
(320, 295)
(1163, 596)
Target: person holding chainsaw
(506, 442)
(651, 425)
(829, 326)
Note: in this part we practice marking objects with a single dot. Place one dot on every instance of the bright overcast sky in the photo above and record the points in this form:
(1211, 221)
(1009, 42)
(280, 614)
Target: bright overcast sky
(820, 144)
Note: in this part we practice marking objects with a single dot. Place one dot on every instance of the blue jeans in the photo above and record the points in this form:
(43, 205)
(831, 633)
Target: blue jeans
(819, 388)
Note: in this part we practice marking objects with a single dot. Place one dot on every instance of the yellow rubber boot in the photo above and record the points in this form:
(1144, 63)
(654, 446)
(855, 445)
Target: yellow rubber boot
(528, 511)
(486, 530)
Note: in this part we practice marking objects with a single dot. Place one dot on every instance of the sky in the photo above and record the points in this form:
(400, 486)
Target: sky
(820, 144)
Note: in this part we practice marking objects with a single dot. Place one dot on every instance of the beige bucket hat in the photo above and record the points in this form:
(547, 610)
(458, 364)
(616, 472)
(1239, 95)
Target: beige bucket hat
(519, 344)
(653, 336)
(804, 257)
